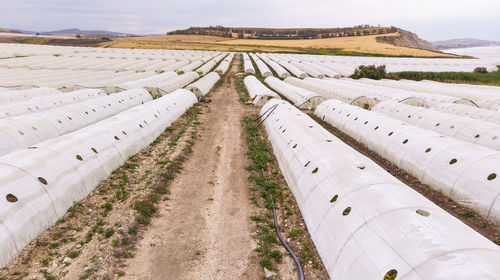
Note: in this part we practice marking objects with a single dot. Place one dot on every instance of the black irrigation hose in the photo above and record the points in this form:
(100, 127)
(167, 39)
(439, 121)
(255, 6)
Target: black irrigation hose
(275, 216)
(408, 98)
(309, 100)
(280, 237)
(271, 111)
(358, 98)
(465, 99)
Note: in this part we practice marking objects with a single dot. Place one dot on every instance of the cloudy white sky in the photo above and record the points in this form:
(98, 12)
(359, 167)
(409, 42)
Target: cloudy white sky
(430, 19)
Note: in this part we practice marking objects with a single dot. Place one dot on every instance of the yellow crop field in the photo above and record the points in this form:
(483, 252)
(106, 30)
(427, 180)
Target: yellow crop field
(361, 44)
(358, 44)
(186, 42)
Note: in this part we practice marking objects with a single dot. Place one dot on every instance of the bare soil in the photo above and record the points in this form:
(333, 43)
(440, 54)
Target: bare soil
(206, 232)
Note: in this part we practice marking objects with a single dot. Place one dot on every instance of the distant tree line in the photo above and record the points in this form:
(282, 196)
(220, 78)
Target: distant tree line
(285, 33)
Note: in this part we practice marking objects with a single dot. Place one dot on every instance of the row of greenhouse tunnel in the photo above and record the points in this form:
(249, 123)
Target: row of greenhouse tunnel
(59, 138)
(58, 144)
(365, 223)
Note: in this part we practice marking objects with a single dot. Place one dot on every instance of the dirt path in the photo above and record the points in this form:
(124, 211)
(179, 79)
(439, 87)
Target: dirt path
(205, 232)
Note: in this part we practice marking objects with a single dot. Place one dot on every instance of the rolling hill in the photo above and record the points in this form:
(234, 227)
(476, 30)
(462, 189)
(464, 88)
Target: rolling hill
(368, 45)
(464, 43)
(70, 31)
(404, 38)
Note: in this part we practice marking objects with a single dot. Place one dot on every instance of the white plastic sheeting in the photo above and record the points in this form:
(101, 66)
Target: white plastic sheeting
(429, 98)
(301, 98)
(484, 97)
(468, 111)
(280, 70)
(363, 221)
(224, 65)
(222, 68)
(293, 69)
(332, 92)
(147, 82)
(191, 66)
(98, 62)
(263, 69)
(68, 78)
(43, 103)
(203, 86)
(463, 171)
(327, 72)
(342, 70)
(258, 92)
(386, 93)
(347, 64)
(177, 82)
(47, 179)
(7, 96)
(137, 59)
(247, 64)
(176, 65)
(110, 61)
(23, 131)
(464, 128)
(311, 71)
(205, 68)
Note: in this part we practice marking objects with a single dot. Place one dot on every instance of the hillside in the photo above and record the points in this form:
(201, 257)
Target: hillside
(283, 33)
(354, 45)
(86, 32)
(65, 37)
(464, 43)
(67, 31)
(358, 40)
(4, 30)
(405, 38)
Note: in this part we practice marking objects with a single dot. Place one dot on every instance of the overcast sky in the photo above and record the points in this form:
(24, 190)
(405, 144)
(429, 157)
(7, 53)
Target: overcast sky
(430, 19)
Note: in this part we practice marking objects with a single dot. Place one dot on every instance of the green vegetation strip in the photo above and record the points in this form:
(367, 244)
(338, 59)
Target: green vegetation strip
(491, 78)
(292, 225)
(240, 84)
(146, 207)
(479, 77)
(267, 243)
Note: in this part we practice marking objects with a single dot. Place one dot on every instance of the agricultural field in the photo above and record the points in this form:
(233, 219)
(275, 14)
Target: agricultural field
(345, 45)
(202, 157)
